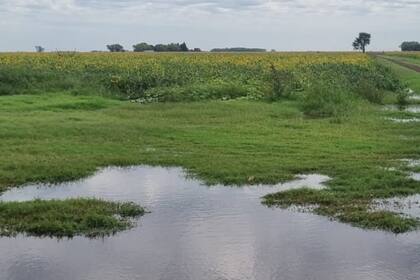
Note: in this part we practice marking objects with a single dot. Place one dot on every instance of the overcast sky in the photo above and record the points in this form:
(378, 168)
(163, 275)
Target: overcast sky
(273, 24)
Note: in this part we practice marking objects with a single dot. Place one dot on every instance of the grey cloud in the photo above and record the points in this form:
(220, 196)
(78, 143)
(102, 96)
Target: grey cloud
(234, 5)
(306, 24)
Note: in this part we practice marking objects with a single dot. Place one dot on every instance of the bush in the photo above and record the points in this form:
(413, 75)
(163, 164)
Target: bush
(402, 98)
(284, 83)
(368, 91)
(378, 76)
(327, 100)
(216, 90)
(330, 89)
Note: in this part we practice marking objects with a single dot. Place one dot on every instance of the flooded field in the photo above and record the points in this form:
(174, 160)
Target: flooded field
(200, 232)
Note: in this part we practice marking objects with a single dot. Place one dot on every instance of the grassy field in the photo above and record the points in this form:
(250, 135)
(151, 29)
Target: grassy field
(63, 134)
(412, 57)
(409, 77)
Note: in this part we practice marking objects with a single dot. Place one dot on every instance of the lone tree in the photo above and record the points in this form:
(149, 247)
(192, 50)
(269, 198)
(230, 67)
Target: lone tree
(39, 49)
(362, 41)
(115, 48)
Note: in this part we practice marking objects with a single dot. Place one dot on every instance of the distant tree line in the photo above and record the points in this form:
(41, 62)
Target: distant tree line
(410, 46)
(238, 50)
(145, 47)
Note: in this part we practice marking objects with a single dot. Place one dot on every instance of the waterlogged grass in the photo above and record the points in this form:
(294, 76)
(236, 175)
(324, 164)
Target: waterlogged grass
(60, 128)
(43, 139)
(352, 207)
(59, 137)
(66, 218)
(349, 199)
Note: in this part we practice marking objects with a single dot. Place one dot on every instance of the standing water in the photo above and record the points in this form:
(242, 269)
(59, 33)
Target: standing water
(198, 232)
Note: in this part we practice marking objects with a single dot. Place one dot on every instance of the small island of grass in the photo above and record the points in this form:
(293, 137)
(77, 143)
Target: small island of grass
(67, 218)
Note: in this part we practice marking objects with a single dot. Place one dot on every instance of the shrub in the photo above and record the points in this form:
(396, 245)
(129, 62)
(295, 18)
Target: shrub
(402, 98)
(215, 90)
(327, 100)
(284, 83)
(368, 91)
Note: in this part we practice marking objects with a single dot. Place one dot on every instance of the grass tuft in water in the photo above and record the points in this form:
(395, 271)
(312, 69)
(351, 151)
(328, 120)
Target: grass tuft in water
(354, 211)
(67, 218)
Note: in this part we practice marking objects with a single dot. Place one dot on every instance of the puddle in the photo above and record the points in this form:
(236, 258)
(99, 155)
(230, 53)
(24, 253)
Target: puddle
(412, 162)
(409, 206)
(409, 108)
(92, 188)
(398, 120)
(412, 94)
(212, 233)
(415, 176)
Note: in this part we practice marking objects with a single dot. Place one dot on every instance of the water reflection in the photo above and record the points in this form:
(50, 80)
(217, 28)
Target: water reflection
(197, 232)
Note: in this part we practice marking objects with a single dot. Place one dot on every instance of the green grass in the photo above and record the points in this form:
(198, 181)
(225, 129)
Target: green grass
(408, 76)
(57, 126)
(351, 207)
(406, 58)
(58, 137)
(67, 218)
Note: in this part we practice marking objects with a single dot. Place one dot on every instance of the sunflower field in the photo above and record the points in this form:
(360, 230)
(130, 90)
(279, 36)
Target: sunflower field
(173, 77)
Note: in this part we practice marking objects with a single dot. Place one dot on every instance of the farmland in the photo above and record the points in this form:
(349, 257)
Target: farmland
(232, 119)
(179, 77)
(406, 55)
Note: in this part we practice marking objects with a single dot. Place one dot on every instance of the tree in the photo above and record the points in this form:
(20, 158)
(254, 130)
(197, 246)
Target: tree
(39, 49)
(115, 48)
(362, 41)
(184, 47)
(172, 47)
(410, 46)
(160, 48)
(142, 47)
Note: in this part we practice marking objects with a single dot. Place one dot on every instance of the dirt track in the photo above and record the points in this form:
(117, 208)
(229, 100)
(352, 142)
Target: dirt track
(404, 64)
